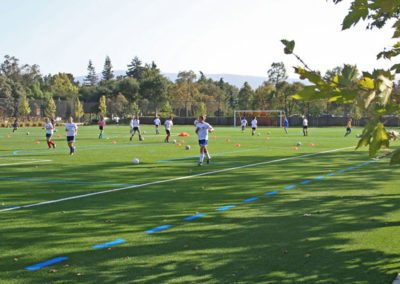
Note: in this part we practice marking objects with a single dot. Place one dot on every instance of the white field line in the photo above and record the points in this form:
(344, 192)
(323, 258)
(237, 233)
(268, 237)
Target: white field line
(172, 179)
(27, 161)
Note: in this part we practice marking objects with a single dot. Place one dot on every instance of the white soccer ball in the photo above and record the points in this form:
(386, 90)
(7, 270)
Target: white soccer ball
(27, 133)
(298, 143)
(357, 135)
(141, 138)
(269, 132)
(135, 161)
(187, 147)
(174, 141)
(258, 134)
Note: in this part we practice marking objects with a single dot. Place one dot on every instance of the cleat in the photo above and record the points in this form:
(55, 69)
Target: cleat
(208, 161)
(54, 146)
(130, 139)
(200, 164)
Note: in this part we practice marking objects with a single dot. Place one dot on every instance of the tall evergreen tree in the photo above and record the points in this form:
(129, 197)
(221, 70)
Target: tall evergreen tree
(135, 69)
(50, 109)
(91, 78)
(107, 70)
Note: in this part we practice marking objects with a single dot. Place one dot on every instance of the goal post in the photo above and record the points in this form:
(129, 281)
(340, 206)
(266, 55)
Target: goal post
(264, 117)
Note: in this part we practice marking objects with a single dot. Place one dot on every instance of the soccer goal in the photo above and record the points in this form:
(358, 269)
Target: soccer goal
(264, 117)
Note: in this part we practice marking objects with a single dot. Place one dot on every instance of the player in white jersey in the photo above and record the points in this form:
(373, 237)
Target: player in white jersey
(49, 132)
(253, 126)
(305, 126)
(202, 130)
(135, 127)
(157, 123)
(168, 124)
(72, 130)
(243, 123)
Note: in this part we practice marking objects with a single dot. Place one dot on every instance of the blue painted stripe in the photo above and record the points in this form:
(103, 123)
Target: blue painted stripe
(317, 178)
(331, 174)
(289, 187)
(46, 263)
(251, 199)
(112, 243)
(367, 163)
(9, 206)
(160, 228)
(305, 182)
(359, 166)
(225, 207)
(271, 193)
(65, 181)
(373, 161)
(195, 216)
(341, 171)
(350, 168)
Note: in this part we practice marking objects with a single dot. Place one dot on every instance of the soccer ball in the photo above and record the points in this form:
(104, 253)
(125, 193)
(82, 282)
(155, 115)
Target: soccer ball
(135, 161)
(357, 135)
(144, 132)
(141, 138)
(258, 134)
(269, 132)
(187, 147)
(27, 133)
(298, 143)
(174, 141)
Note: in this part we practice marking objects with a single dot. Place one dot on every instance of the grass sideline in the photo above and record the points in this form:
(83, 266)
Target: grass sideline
(350, 236)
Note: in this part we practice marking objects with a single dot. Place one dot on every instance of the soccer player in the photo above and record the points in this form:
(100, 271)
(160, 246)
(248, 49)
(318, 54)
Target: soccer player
(72, 130)
(286, 125)
(243, 123)
(49, 132)
(202, 130)
(157, 123)
(305, 126)
(168, 124)
(101, 127)
(53, 122)
(15, 125)
(348, 129)
(135, 122)
(253, 126)
(196, 121)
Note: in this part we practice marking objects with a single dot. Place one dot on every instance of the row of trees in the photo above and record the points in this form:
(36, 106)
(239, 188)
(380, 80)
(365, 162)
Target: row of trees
(143, 89)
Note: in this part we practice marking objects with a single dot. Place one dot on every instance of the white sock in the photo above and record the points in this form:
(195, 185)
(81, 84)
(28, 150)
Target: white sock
(208, 155)
(201, 158)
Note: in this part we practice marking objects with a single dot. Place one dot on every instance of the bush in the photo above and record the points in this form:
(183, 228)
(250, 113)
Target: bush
(27, 124)
(34, 124)
(40, 124)
(21, 124)
(3, 124)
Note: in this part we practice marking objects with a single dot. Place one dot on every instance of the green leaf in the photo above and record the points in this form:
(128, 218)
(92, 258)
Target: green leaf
(367, 133)
(395, 160)
(289, 46)
(359, 10)
(379, 139)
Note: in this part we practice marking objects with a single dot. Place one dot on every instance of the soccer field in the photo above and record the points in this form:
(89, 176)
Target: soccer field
(261, 212)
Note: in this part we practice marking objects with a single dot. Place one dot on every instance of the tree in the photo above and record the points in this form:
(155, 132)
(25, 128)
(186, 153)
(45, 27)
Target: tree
(135, 69)
(24, 108)
(91, 78)
(129, 87)
(155, 89)
(62, 86)
(78, 109)
(372, 92)
(201, 110)
(188, 77)
(103, 106)
(277, 73)
(50, 108)
(107, 70)
(245, 95)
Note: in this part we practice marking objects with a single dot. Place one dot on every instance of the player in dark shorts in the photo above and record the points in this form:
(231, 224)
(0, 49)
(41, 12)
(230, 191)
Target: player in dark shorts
(15, 125)
(348, 128)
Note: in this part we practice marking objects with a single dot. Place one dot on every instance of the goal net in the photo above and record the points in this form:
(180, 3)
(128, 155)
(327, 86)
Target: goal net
(272, 118)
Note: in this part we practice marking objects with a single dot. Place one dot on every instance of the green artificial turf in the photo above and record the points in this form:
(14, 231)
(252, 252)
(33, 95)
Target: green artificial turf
(343, 228)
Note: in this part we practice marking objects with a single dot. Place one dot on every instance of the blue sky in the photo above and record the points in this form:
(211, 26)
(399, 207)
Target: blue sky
(214, 36)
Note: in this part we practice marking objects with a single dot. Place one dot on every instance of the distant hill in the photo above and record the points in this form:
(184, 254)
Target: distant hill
(233, 79)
